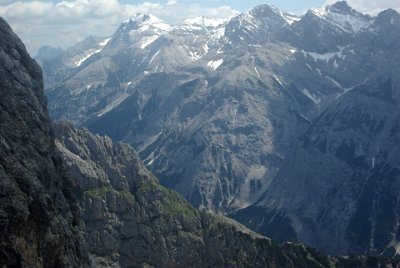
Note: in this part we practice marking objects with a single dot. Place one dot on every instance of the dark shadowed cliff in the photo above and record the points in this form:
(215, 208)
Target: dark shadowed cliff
(36, 211)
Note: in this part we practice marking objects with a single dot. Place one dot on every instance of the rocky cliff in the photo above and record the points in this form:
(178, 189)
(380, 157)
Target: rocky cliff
(130, 220)
(37, 214)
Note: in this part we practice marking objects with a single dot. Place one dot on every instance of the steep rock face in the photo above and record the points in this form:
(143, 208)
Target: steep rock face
(130, 220)
(339, 188)
(37, 215)
(325, 29)
(257, 27)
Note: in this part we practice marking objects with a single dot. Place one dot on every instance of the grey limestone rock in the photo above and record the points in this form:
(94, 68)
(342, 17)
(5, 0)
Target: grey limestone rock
(338, 190)
(37, 213)
(130, 220)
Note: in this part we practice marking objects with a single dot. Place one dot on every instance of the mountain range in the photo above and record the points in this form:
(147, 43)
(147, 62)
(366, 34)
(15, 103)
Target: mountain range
(286, 123)
(70, 198)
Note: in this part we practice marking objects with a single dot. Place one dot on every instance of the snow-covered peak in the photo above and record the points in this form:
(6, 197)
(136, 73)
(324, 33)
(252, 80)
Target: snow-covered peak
(86, 49)
(144, 22)
(264, 9)
(148, 18)
(319, 12)
(141, 30)
(204, 22)
(290, 18)
(201, 23)
(342, 16)
(271, 12)
(339, 8)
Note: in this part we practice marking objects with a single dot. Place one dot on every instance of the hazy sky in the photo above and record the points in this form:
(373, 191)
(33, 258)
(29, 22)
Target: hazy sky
(63, 23)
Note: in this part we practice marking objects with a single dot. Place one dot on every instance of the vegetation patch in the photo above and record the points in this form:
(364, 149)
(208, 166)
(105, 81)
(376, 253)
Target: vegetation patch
(126, 194)
(99, 192)
(102, 191)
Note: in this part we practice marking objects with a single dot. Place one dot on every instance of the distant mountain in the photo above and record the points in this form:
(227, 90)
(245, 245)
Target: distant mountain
(214, 107)
(338, 189)
(191, 81)
(58, 64)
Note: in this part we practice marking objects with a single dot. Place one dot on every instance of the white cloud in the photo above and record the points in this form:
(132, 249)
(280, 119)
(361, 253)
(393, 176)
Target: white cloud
(65, 23)
(171, 2)
(371, 7)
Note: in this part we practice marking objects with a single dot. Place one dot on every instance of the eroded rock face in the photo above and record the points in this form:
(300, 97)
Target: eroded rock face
(37, 215)
(339, 188)
(130, 220)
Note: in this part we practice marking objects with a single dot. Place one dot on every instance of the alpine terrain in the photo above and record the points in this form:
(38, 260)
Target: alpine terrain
(81, 200)
(286, 123)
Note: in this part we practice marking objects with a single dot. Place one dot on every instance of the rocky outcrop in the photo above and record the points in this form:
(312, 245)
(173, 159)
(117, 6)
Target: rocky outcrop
(130, 220)
(37, 213)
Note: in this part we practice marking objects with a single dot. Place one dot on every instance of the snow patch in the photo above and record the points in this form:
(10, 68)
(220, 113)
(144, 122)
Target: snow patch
(320, 12)
(311, 96)
(317, 56)
(305, 118)
(204, 22)
(278, 80)
(194, 56)
(147, 22)
(258, 74)
(105, 42)
(334, 81)
(289, 18)
(90, 53)
(215, 64)
(325, 56)
(205, 47)
(155, 55)
(352, 23)
(148, 40)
